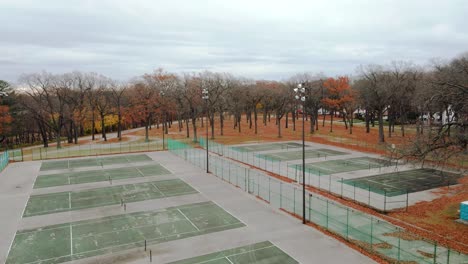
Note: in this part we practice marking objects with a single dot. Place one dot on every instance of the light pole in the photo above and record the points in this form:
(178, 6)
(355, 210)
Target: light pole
(205, 97)
(161, 93)
(300, 96)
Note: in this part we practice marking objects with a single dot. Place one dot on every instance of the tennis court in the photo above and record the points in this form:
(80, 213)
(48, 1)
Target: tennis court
(270, 146)
(297, 155)
(397, 183)
(69, 201)
(92, 162)
(99, 175)
(343, 165)
(76, 240)
(263, 252)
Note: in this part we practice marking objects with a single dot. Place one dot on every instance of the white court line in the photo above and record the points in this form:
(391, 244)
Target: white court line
(71, 240)
(188, 219)
(241, 253)
(321, 169)
(139, 171)
(69, 200)
(121, 245)
(164, 195)
(229, 260)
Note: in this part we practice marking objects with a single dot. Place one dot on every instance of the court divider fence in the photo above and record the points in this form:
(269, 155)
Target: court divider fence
(94, 149)
(368, 232)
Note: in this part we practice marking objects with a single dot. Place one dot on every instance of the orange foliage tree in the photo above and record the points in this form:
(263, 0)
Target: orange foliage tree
(340, 95)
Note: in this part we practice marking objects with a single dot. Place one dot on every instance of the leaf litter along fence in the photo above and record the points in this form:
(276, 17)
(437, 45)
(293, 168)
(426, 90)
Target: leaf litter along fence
(370, 233)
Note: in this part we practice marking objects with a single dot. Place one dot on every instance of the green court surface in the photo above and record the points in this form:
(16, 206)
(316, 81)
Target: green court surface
(76, 240)
(78, 177)
(270, 146)
(92, 162)
(343, 165)
(259, 253)
(297, 155)
(397, 183)
(69, 201)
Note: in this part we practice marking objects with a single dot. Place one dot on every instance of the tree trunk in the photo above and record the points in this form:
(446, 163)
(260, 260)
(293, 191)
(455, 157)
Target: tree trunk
(294, 120)
(255, 120)
(194, 124)
(331, 120)
(221, 123)
(212, 125)
(93, 126)
(381, 125)
(345, 121)
(287, 119)
(367, 119)
(103, 128)
(187, 126)
(119, 125)
(278, 120)
(324, 117)
(312, 123)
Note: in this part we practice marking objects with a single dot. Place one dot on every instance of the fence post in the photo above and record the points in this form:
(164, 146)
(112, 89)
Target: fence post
(385, 201)
(347, 223)
(371, 233)
(354, 195)
(407, 196)
(294, 201)
(245, 179)
(448, 255)
(341, 187)
(399, 239)
(368, 202)
(269, 189)
(281, 195)
(327, 215)
(295, 176)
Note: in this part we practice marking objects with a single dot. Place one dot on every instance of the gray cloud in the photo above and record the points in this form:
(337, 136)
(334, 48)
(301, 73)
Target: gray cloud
(258, 39)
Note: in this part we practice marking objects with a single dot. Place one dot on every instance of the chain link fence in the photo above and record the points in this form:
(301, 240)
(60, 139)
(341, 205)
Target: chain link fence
(372, 234)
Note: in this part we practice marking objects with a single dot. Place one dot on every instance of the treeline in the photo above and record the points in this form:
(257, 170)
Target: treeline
(45, 106)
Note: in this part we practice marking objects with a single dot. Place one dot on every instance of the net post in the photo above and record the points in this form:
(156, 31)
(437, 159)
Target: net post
(435, 252)
(151, 256)
(329, 183)
(145, 244)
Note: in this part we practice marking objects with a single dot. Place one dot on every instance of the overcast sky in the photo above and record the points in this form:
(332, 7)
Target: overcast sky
(252, 38)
